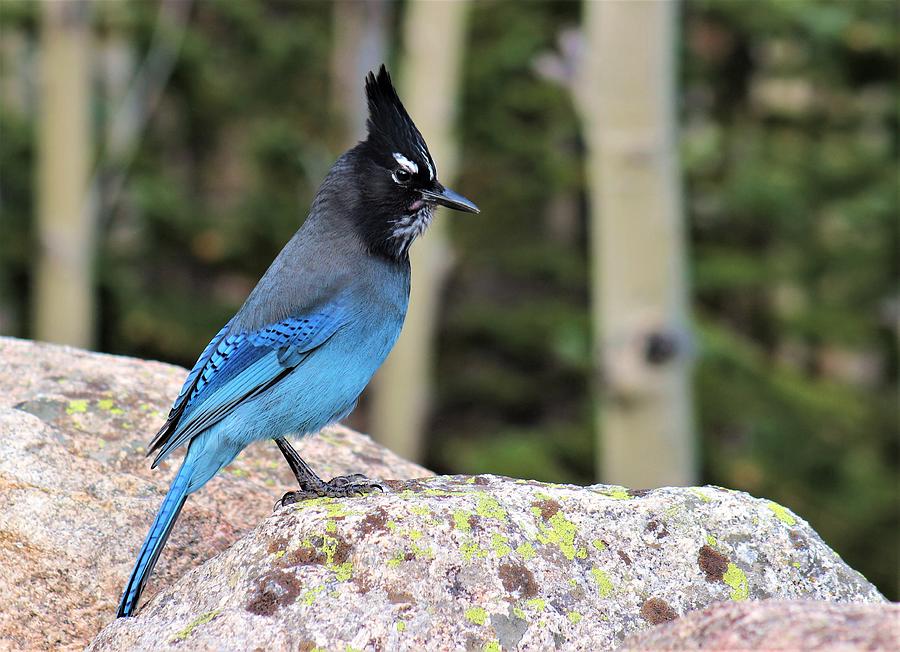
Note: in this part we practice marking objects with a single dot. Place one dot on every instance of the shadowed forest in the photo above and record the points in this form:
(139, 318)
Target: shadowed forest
(207, 127)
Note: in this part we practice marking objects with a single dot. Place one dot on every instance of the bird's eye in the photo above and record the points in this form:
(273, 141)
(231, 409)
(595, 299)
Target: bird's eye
(402, 176)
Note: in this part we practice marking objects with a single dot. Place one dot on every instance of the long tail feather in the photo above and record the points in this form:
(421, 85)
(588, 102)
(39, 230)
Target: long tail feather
(156, 539)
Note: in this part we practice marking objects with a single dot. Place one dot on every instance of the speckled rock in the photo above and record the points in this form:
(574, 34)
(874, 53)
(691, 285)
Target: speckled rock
(78, 495)
(488, 563)
(777, 625)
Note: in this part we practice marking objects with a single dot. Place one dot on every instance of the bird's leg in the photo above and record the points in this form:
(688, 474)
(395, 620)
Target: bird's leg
(312, 486)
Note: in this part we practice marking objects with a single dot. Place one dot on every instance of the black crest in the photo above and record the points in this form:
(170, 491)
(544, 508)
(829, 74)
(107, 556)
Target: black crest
(390, 127)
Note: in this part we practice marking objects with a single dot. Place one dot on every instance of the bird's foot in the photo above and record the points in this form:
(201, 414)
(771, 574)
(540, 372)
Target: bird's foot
(342, 486)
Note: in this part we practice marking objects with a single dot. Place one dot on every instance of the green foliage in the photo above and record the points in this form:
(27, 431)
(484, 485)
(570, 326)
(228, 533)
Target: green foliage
(817, 445)
(16, 193)
(514, 352)
(228, 164)
(791, 162)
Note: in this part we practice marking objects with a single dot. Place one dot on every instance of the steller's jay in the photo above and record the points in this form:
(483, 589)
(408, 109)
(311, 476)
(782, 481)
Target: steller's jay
(322, 319)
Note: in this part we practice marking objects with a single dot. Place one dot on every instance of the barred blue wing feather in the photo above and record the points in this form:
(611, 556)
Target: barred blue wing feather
(188, 389)
(240, 366)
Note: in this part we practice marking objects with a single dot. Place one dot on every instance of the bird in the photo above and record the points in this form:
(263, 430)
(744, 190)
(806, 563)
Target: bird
(309, 337)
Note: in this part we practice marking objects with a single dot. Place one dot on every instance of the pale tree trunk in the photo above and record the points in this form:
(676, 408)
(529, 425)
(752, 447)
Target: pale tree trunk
(637, 244)
(434, 36)
(63, 301)
(360, 35)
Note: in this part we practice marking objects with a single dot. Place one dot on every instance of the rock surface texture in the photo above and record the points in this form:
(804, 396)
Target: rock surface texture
(777, 625)
(78, 495)
(455, 563)
(435, 563)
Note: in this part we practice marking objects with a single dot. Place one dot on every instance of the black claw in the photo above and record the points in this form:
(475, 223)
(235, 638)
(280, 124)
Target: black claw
(343, 486)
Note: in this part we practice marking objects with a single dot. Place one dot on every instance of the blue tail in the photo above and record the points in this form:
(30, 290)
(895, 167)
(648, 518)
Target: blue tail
(156, 538)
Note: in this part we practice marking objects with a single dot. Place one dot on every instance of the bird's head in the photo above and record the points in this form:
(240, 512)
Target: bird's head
(399, 187)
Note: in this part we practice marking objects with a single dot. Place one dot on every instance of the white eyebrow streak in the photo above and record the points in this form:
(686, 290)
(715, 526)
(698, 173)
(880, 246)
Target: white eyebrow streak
(406, 164)
(426, 158)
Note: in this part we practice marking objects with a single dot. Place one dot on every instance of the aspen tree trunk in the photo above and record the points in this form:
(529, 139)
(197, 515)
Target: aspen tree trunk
(63, 301)
(639, 290)
(434, 36)
(360, 35)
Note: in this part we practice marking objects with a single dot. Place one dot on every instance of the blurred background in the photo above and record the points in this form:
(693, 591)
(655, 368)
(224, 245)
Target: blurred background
(685, 269)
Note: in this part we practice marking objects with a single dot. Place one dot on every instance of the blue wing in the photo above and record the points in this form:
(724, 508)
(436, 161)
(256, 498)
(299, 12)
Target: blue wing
(236, 366)
(187, 390)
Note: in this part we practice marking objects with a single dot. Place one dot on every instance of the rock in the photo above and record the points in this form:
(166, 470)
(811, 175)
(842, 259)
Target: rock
(777, 625)
(447, 562)
(78, 494)
(488, 563)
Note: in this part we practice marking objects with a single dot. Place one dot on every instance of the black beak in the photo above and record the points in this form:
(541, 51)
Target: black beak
(450, 199)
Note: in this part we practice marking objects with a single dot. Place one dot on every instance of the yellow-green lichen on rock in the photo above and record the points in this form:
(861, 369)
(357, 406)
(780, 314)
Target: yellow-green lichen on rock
(617, 493)
(470, 550)
(781, 513)
(194, 624)
(737, 580)
(489, 507)
(604, 584)
(309, 597)
(461, 520)
(500, 545)
(77, 406)
(476, 615)
(107, 405)
(525, 550)
(560, 531)
(700, 494)
(396, 560)
(334, 508)
(344, 571)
